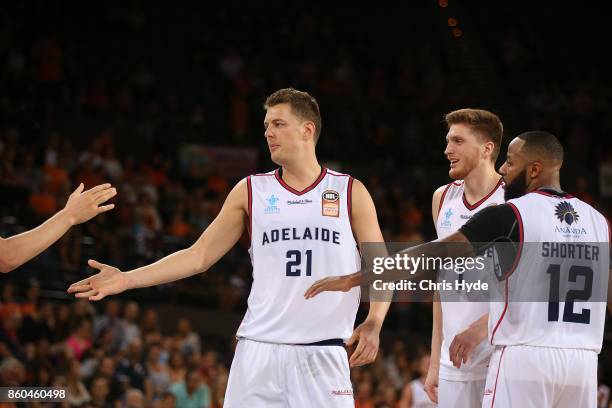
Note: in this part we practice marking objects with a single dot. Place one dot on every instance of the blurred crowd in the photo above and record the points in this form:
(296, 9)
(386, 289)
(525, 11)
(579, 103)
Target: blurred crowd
(118, 356)
(111, 93)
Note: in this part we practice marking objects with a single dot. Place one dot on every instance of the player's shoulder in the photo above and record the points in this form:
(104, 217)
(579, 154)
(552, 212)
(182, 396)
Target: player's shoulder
(270, 173)
(258, 178)
(443, 190)
(444, 187)
(338, 174)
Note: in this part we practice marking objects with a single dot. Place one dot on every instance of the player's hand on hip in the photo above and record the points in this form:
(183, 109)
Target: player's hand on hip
(464, 344)
(84, 205)
(431, 383)
(367, 336)
(109, 281)
(329, 284)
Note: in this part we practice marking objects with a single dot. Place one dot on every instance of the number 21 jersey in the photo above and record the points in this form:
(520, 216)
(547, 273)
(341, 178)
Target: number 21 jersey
(297, 238)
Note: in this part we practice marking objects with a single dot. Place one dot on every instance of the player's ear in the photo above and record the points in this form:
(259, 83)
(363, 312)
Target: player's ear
(308, 131)
(534, 170)
(488, 148)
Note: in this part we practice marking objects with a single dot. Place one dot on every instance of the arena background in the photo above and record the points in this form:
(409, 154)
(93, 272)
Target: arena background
(166, 103)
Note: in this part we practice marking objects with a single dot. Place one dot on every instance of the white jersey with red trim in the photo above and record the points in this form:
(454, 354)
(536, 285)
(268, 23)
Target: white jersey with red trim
(297, 238)
(457, 316)
(563, 253)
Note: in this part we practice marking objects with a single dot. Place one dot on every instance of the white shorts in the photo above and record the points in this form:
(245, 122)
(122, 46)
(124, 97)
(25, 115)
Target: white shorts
(541, 377)
(267, 375)
(460, 394)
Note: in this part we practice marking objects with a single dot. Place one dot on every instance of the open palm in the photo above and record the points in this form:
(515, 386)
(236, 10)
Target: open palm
(109, 281)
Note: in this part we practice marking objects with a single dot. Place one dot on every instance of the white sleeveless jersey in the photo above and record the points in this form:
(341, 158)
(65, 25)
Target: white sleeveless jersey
(457, 316)
(298, 238)
(564, 253)
(419, 396)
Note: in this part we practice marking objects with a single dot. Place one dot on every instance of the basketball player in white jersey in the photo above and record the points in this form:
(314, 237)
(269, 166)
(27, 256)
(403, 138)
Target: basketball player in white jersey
(473, 144)
(305, 222)
(81, 207)
(545, 352)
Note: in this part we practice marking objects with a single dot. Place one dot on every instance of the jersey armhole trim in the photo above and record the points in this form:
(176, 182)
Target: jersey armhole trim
(250, 207)
(512, 268)
(349, 206)
(520, 243)
(442, 199)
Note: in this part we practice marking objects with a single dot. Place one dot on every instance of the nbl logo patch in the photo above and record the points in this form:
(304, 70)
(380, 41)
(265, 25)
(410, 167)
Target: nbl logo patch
(330, 203)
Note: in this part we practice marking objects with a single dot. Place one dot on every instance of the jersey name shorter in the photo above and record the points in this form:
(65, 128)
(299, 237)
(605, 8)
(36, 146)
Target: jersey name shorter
(570, 250)
(292, 234)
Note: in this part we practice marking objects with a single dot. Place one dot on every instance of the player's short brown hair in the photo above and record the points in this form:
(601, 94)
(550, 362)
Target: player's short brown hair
(485, 123)
(303, 105)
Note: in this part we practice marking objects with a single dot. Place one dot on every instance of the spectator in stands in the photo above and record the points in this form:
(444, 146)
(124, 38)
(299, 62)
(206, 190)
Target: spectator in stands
(157, 373)
(81, 338)
(131, 368)
(112, 322)
(131, 330)
(189, 341)
(78, 395)
(192, 393)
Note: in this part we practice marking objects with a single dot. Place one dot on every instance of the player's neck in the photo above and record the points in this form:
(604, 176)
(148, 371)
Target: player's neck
(550, 182)
(301, 175)
(480, 182)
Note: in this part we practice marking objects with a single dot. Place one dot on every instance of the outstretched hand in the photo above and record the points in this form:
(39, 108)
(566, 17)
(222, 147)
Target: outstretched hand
(84, 205)
(109, 281)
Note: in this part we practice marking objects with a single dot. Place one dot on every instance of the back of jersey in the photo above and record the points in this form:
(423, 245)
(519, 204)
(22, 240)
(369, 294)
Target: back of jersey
(556, 292)
(297, 238)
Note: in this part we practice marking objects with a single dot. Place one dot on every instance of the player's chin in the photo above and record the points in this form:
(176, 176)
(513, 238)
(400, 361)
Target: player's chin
(276, 157)
(457, 173)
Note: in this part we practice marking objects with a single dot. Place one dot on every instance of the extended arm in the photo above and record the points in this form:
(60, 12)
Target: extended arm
(81, 207)
(216, 240)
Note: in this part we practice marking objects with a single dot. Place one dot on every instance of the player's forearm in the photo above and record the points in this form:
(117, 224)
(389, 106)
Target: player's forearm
(436, 334)
(378, 311)
(481, 326)
(355, 279)
(21, 248)
(179, 265)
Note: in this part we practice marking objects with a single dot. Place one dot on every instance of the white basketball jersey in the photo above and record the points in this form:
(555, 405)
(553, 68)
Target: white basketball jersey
(297, 238)
(563, 250)
(457, 316)
(419, 396)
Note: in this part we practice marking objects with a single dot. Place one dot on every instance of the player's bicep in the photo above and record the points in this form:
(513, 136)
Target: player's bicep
(226, 229)
(364, 218)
